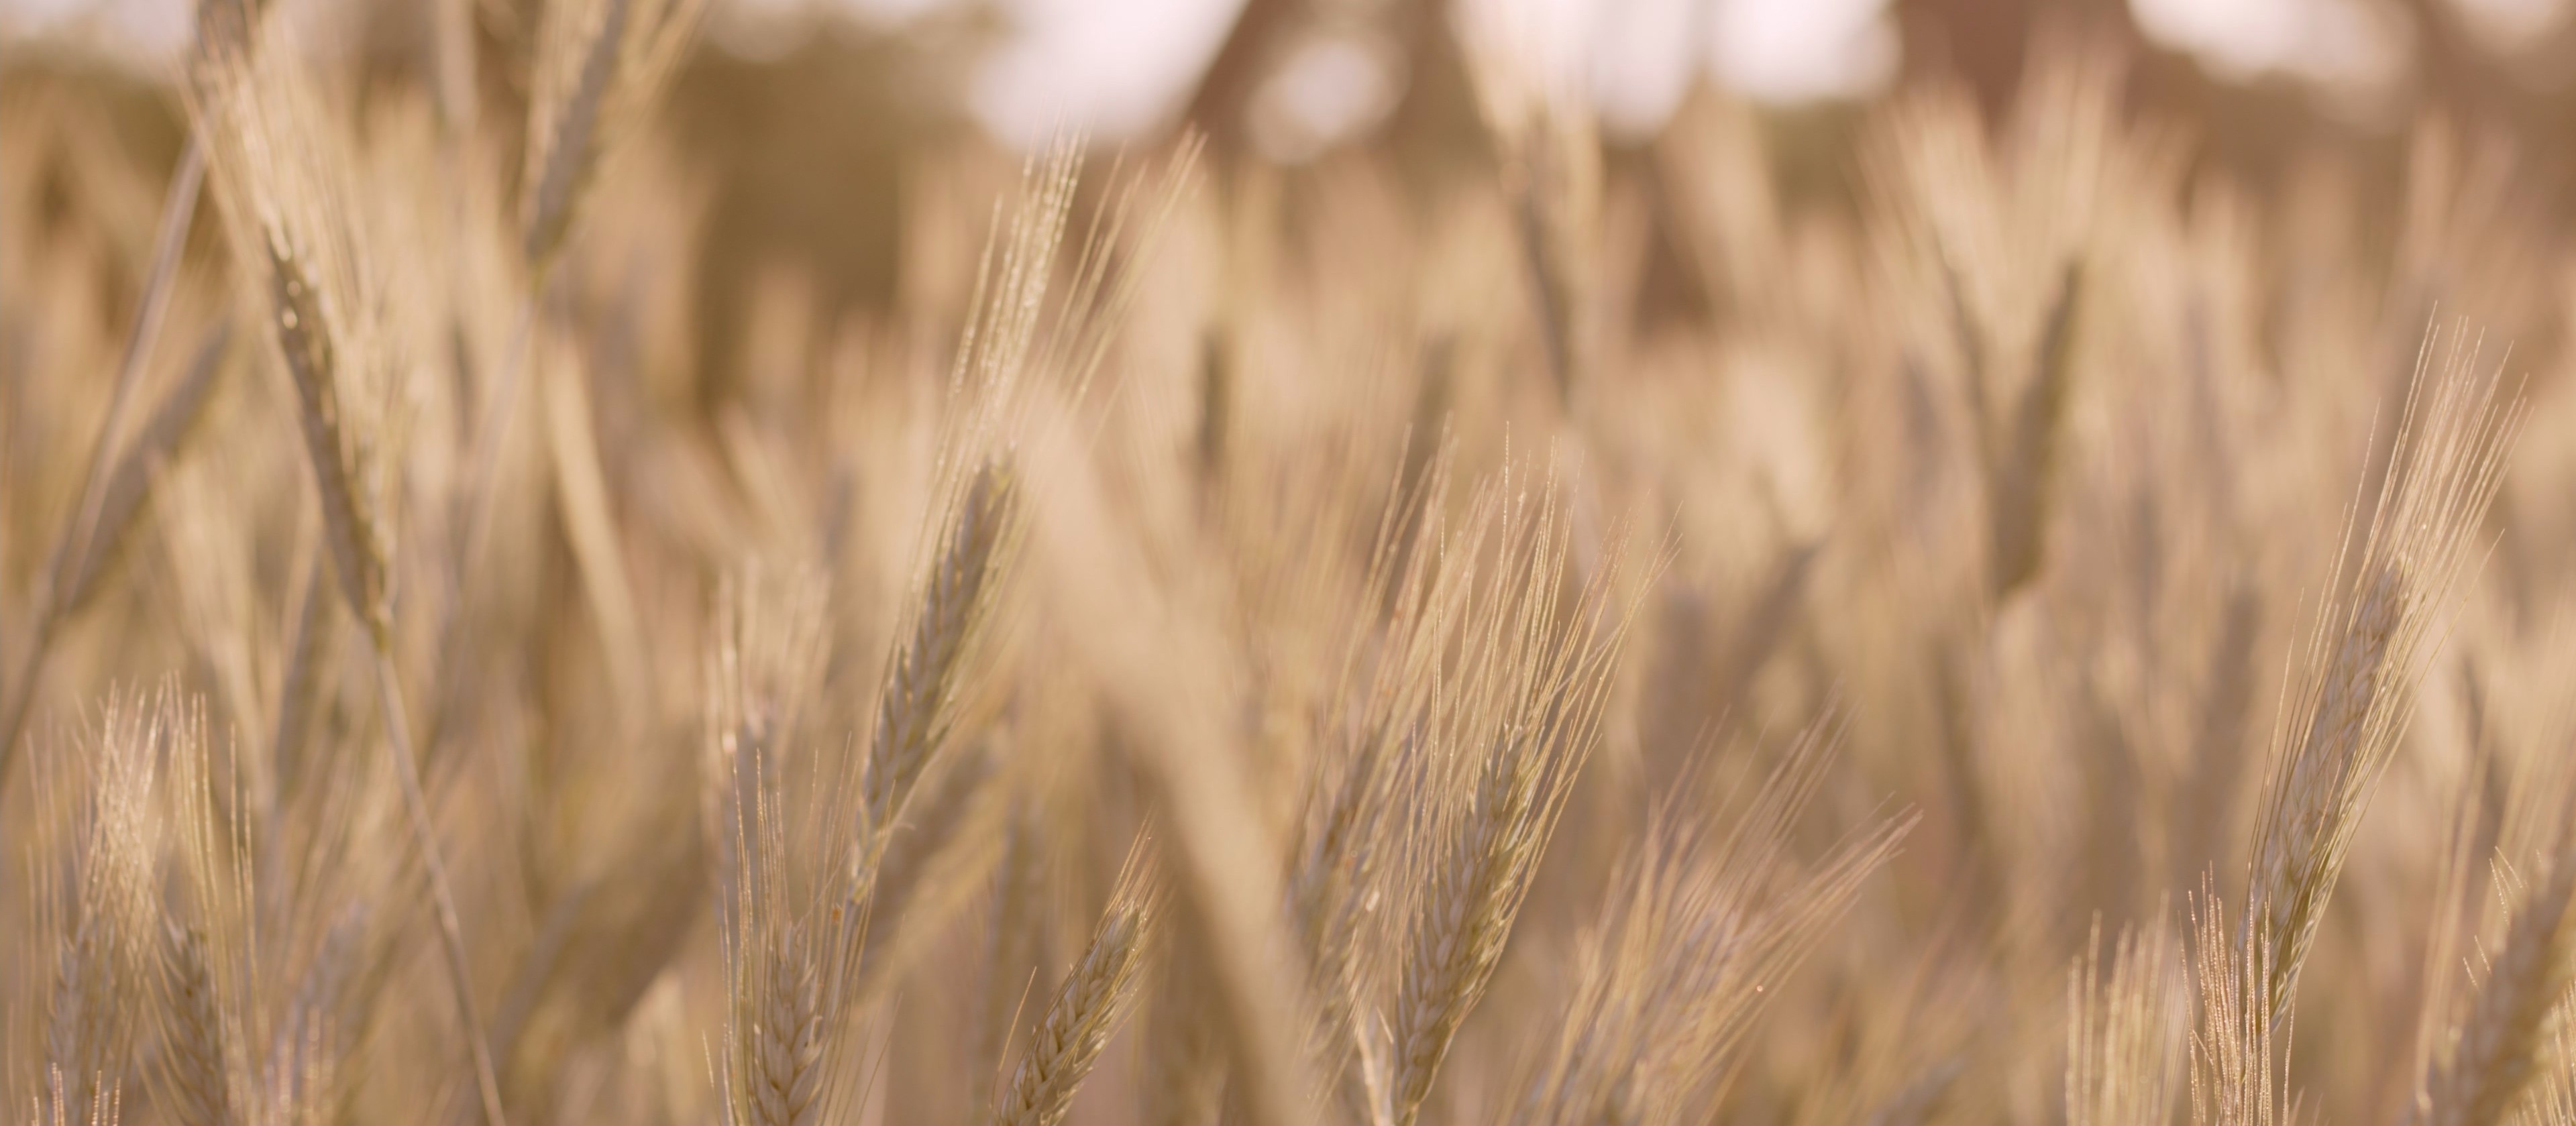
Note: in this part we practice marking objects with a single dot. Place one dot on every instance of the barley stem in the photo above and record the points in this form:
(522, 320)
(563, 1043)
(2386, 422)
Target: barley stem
(72, 546)
(451, 938)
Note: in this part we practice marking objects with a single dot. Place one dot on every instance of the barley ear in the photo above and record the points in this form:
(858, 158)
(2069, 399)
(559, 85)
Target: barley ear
(2019, 478)
(931, 673)
(312, 364)
(1088, 1006)
(781, 1014)
(201, 1056)
(2123, 1038)
(783, 1053)
(103, 954)
(2239, 1070)
(2353, 694)
(2500, 1048)
(600, 66)
(1551, 164)
(194, 1041)
(1522, 718)
(786, 931)
(1697, 932)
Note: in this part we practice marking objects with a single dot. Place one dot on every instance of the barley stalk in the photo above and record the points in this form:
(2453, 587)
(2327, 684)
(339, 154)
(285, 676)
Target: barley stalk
(307, 643)
(285, 200)
(81, 540)
(129, 485)
(601, 64)
(1013, 938)
(593, 532)
(1184, 1080)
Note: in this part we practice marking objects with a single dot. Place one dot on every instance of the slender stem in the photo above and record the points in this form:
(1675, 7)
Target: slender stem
(469, 515)
(453, 62)
(505, 400)
(474, 514)
(178, 211)
(451, 937)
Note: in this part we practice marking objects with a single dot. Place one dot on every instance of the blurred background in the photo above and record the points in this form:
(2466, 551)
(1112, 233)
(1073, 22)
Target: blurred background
(801, 103)
(1300, 77)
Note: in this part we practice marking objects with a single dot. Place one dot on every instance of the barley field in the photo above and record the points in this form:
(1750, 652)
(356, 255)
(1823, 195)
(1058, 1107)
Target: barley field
(1943, 610)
